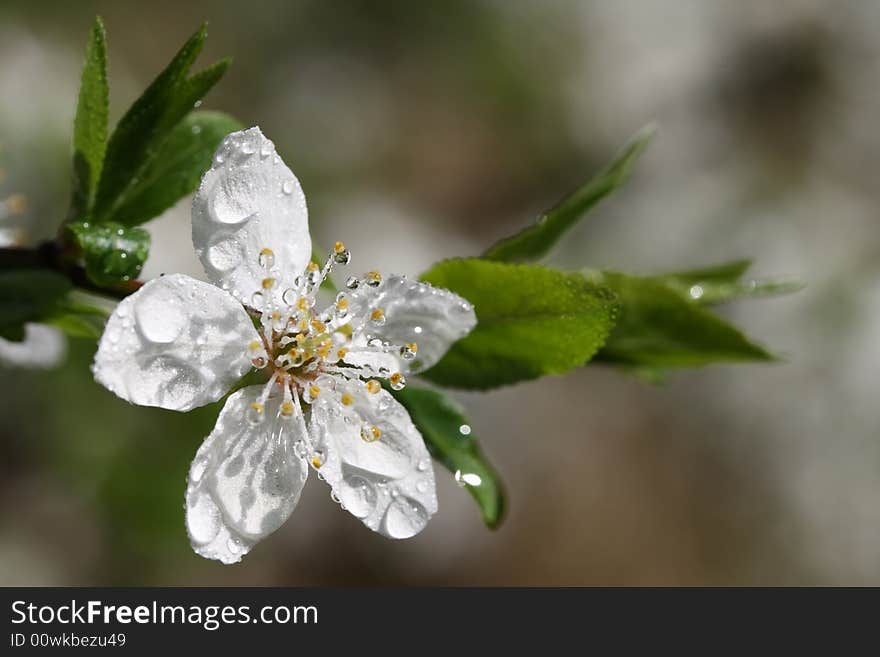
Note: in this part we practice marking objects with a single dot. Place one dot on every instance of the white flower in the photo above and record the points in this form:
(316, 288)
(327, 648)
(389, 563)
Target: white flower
(179, 343)
(43, 347)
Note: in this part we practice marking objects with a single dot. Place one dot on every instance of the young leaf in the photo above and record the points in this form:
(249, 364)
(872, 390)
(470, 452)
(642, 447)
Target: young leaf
(90, 123)
(76, 319)
(721, 283)
(26, 295)
(112, 253)
(531, 321)
(441, 423)
(659, 329)
(177, 167)
(535, 241)
(140, 133)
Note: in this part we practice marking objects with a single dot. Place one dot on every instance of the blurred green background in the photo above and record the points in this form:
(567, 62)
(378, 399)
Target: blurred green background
(424, 130)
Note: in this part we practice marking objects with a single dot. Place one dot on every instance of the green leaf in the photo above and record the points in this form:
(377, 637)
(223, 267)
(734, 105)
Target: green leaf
(90, 123)
(439, 420)
(535, 241)
(77, 319)
(112, 253)
(532, 321)
(721, 283)
(177, 168)
(659, 329)
(26, 295)
(141, 132)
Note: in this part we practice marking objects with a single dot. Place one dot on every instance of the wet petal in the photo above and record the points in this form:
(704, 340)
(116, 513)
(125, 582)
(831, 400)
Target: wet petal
(374, 459)
(245, 479)
(249, 201)
(413, 312)
(177, 343)
(43, 347)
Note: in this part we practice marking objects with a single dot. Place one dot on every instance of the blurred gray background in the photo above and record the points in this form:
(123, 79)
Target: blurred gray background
(426, 130)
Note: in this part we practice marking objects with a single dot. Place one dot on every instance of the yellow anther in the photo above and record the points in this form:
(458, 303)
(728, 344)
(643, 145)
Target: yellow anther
(374, 276)
(276, 316)
(373, 386)
(319, 326)
(396, 378)
(412, 346)
(323, 351)
(377, 315)
(303, 304)
(339, 247)
(317, 462)
(268, 283)
(254, 345)
(266, 251)
(342, 304)
(370, 434)
(303, 325)
(287, 408)
(17, 204)
(314, 391)
(341, 353)
(300, 338)
(347, 399)
(312, 266)
(257, 406)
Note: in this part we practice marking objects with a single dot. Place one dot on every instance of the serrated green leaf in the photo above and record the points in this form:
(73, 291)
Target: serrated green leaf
(440, 420)
(532, 321)
(90, 123)
(659, 329)
(111, 252)
(177, 168)
(535, 241)
(141, 132)
(25, 296)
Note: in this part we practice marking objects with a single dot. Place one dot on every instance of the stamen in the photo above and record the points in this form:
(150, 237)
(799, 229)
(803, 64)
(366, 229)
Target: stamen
(373, 386)
(347, 399)
(373, 278)
(409, 351)
(397, 381)
(377, 316)
(267, 258)
(370, 434)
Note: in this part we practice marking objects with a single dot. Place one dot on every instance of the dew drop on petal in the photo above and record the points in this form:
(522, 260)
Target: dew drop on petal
(405, 518)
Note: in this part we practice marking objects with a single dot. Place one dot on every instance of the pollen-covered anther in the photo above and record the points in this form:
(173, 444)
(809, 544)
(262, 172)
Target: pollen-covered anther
(341, 352)
(377, 316)
(373, 386)
(397, 381)
(266, 257)
(314, 391)
(287, 409)
(255, 413)
(268, 283)
(318, 326)
(341, 255)
(347, 399)
(317, 461)
(304, 304)
(409, 351)
(370, 434)
(373, 278)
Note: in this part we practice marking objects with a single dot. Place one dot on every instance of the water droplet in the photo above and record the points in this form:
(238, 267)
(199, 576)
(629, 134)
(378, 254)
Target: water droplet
(422, 486)
(266, 149)
(358, 495)
(254, 416)
(405, 518)
(464, 430)
(424, 464)
(266, 259)
(197, 104)
(257, 300)
(343, 257)
(417, 330)
(196, 129)
(289, 296)
(287, 187)
(696, 291)
(467, 479)
(352, 283)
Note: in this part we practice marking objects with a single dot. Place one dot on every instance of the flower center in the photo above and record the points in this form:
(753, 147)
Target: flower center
(298, 344)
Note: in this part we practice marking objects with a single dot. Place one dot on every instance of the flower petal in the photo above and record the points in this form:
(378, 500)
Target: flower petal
(430, 317)
(245, 480)
(43, 347)
(387, 483)
(176, 343)
(249, 201)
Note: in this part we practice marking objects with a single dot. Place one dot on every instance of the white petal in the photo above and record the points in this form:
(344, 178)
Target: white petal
(431, 317)
(244, 481)
(249, 200)
(388, 484)
(177, 343)
(43, 347)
